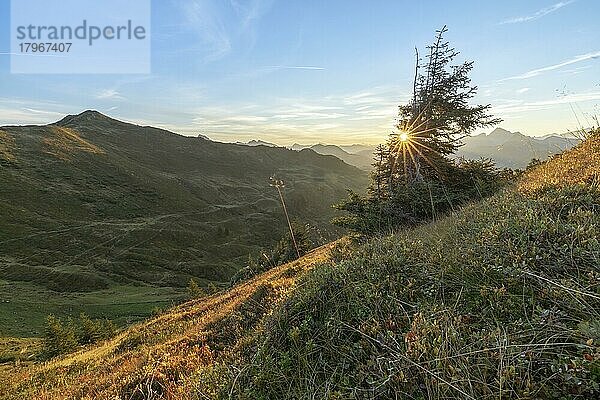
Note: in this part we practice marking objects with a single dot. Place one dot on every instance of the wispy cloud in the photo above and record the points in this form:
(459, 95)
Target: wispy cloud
(539, 71)
(515, 106)
(109, 94)
(202, 18)
(27, 112)
(523, 90)
(538, 14)
(217, 34)
(364, 116)
(250, 11)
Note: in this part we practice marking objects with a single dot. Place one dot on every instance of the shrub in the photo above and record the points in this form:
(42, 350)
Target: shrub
(61, 338)
(58, 337)
(409, 204)
(194, 291)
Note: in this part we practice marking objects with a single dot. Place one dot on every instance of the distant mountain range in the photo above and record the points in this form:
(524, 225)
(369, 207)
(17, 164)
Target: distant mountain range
(93, 204)
(357, 155)
(507, 149)
(513, 149)
(254, 143)
(360, 158)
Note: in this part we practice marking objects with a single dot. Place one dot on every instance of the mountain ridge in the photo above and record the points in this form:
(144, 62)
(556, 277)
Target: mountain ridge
(135, 212)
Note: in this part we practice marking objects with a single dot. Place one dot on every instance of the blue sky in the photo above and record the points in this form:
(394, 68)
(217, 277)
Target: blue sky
(328, 71)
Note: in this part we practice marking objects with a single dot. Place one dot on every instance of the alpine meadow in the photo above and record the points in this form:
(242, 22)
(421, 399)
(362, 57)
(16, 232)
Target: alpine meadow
(260, 199)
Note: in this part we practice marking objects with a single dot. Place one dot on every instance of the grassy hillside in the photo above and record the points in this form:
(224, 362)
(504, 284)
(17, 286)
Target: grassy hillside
(169, 354)
(499, 300)
(114, 218)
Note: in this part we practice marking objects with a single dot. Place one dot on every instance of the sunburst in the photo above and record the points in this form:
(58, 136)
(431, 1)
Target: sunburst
(408, 144)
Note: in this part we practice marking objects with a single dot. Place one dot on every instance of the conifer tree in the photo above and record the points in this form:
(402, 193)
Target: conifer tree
(414, 178)
(431, 125)
(381, 172)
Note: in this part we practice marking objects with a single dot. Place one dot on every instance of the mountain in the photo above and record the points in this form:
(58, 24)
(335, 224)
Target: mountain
(507, 149)
(111, 218)
(415, 314)
(298, 147)
(513, 149)
(254, 143)
(357, 148)
(361, 159)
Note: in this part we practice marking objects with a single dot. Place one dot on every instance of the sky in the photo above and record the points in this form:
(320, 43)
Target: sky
(311, 71)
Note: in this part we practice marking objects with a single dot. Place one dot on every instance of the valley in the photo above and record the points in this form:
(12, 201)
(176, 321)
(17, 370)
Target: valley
(114, 219)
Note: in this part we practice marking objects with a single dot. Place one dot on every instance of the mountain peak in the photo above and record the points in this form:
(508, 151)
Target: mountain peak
(499, 131)
(85, 116)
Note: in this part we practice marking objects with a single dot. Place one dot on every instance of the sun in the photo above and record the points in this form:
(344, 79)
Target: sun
(404, 136)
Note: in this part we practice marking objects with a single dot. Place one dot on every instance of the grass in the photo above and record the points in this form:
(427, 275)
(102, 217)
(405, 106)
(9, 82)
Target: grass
(62, 142)
(499, 300)
(167, 352)
(7, 144)
(25, 306)
(91, 206)
(19, 351)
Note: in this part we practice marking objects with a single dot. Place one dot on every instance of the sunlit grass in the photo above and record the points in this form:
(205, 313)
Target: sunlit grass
(7, 145)
(165, 351)
(64, 141)
(580, 166)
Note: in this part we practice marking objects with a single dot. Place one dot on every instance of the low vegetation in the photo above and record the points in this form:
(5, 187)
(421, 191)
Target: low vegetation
(178, 354)
(497, 300)
(61, 337)
(114, 219)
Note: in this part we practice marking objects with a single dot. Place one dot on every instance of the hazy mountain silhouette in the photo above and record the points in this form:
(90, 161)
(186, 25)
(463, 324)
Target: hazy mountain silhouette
(513, 149)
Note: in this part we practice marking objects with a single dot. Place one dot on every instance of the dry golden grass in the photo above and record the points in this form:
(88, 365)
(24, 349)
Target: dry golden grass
(7, 146)
(165, 354)
(579, 166)
(62, 142)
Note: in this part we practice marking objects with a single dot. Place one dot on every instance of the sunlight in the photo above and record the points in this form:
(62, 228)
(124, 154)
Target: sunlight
(404, 136)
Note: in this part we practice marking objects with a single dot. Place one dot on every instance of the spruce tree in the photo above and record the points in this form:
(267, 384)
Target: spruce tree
(414, 178)
(431, 125)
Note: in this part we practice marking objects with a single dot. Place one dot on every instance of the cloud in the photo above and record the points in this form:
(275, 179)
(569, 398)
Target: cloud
(523, 90)
(219, 26)
(109, 94)
(25, 115)
(538, 14)
(515, 106)
(202, 18)
(250, 11)
(539, 71)
(343, 117)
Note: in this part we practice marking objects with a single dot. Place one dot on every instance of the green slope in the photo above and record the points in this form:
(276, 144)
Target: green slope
(124, 214)
(499, 300)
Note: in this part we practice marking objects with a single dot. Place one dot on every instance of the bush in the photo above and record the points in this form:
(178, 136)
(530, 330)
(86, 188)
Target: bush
(58, 337)
(195, 291)
(61, 338)
(94, 330)
(460, 182)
